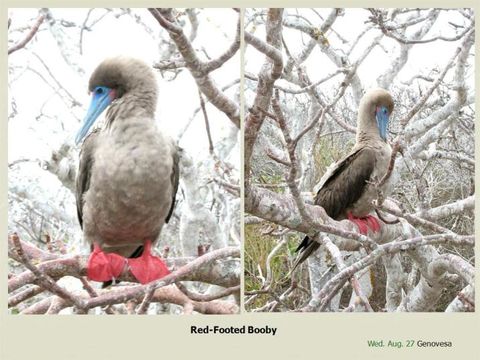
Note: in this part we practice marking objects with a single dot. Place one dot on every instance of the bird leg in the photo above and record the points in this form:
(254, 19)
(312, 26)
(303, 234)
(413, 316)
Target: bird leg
(103, 266)
(365, 223)
(147, 267)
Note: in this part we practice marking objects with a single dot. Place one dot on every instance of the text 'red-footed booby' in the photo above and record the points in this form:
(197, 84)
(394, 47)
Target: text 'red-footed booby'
(347, 189)
(128, 173)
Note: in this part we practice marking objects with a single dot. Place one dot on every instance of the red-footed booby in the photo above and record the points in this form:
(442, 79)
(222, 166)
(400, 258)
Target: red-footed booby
(347, 189)
(128, 173)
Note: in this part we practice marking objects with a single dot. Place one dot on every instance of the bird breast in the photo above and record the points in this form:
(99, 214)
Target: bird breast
(131, 190)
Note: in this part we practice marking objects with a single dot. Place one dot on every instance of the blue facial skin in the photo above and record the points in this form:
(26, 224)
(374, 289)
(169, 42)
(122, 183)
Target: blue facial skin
(382, 121)
(100, 100)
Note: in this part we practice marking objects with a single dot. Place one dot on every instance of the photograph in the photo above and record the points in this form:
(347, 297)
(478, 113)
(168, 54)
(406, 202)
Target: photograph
(359, 160)
(124, 159)
(249, 171)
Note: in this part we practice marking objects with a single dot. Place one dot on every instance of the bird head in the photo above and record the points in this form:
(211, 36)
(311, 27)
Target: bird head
(113, 79)
(374, 113)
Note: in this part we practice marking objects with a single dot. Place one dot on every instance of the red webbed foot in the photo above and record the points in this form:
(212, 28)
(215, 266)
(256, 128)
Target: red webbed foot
(103, 266)
(365, 223)
(372, 223)
(147, 267)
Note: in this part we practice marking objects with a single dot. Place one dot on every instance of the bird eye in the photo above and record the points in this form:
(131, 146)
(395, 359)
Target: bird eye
(385, 111)
(99, 90)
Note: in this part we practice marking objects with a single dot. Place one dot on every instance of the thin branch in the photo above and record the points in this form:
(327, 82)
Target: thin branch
(24, 295)
(270, 72)
(146, 300)
(57, 267)
(320, 301)
(208, 297)
(30, 35)
(291, 146)
(196, 67)
(404, 121)
(207, 124)
(337, 256)
(403, 40)
(227, 55)
(44, 279)
(268, 50)
(180, 274)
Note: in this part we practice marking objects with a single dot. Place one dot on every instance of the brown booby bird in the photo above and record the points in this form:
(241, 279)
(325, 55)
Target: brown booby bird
(347, 189)
(128, 173)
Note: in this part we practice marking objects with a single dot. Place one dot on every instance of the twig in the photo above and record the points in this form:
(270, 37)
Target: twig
(24, 295)
(197, 68)
(84, 26)
(404, 121)
(57, 267)
(270, 72)
(317, 119)
(207, 125)
(321, 300)
(146, 300)
(227, 55)
(29, 36)
(267, 49)
(177, 275)
(203, 297)
(416, 220)
(403, 40)
(274, 157)
(168, 294)
(291, 146)
(397, 147)
(44, 280)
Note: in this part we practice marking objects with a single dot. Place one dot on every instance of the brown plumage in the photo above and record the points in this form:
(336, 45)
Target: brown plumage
(128, 171)
(346, 187)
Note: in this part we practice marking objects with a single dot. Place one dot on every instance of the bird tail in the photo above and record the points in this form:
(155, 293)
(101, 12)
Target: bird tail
(106, 284)
(306, 248)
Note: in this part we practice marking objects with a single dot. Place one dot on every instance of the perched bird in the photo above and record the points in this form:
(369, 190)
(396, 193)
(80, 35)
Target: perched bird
(128, 173)
(347, 189)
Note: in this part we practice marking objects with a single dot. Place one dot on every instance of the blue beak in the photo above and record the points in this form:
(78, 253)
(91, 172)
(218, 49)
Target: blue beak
(101, 98)
(382, 121)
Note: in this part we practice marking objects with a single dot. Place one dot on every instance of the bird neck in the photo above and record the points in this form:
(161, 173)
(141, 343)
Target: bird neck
(367, 129)
(132, 105)
(368, 135)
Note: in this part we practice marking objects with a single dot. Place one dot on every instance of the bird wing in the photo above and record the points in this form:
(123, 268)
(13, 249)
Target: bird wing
(339, 190)
(84, 171)
(174, 179)
(347, 182)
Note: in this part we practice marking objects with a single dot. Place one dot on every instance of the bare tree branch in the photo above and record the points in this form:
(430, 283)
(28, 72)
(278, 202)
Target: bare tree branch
(198, 69)
(29, 36)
